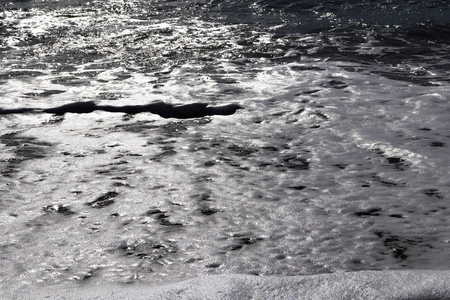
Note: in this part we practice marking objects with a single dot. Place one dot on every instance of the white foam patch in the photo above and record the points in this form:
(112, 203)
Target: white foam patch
(408, 285)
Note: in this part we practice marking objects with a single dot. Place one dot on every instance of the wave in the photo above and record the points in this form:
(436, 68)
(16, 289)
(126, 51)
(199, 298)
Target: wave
(413, 285)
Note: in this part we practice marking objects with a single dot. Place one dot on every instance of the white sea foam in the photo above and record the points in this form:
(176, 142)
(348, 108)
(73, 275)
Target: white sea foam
(413, 285)
(328, 167)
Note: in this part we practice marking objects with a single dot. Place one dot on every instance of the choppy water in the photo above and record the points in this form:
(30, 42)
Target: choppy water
(338, 161)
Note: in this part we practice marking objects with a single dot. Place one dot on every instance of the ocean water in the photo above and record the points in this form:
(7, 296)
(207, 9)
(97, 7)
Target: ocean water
(337, 161)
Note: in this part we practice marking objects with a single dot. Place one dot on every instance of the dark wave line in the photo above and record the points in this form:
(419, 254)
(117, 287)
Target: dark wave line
(195, 110)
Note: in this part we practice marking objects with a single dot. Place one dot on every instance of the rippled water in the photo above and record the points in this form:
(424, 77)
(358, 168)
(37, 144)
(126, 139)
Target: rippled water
(338, 161)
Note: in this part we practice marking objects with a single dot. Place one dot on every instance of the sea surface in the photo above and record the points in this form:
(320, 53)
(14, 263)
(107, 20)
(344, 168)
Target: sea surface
(338, 160)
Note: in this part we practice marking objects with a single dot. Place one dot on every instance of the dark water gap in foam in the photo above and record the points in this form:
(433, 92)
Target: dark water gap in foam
(25, 148)
(187, 111)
